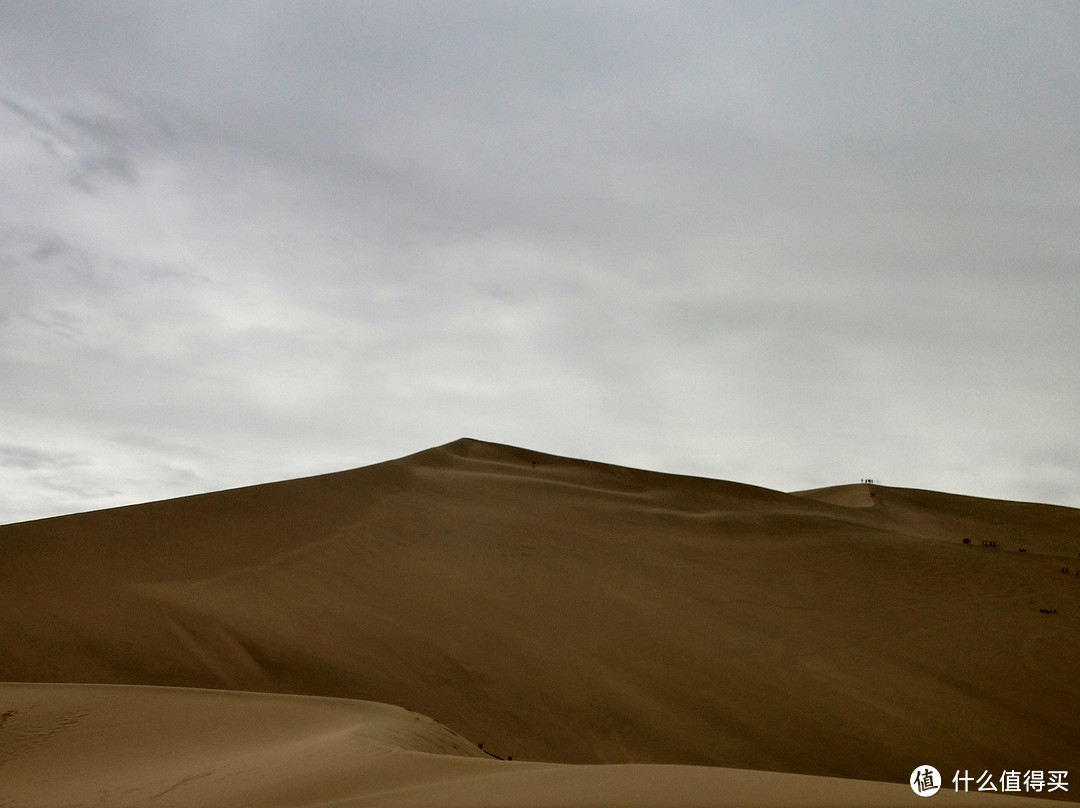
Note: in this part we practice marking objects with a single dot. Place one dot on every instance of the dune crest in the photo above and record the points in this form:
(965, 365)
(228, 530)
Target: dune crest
(860, 495)
(568, 611)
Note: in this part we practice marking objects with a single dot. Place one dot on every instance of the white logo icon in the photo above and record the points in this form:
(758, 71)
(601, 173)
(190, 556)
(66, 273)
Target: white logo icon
(925, 781)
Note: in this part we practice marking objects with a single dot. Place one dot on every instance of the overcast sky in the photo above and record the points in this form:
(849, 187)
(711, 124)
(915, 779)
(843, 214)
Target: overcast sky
(787, 244)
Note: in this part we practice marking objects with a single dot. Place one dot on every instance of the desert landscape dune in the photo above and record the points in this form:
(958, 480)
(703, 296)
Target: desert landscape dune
(107, 745)
(697, 642)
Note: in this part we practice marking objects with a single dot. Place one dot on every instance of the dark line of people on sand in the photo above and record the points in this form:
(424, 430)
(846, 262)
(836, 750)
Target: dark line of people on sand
(993, 545)
(1066, 570)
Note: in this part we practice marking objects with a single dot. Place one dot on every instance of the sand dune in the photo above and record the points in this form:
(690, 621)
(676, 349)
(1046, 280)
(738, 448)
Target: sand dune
(574, 612)
(111, 745)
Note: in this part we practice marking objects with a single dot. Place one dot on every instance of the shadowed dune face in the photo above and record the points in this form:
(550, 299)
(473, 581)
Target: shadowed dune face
(563, 610)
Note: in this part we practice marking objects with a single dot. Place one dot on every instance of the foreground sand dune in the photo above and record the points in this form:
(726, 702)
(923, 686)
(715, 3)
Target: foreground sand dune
(95, 745)
(569, 611)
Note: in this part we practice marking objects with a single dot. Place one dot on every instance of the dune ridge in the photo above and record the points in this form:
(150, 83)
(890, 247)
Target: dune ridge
(140, 745)
(570, 612)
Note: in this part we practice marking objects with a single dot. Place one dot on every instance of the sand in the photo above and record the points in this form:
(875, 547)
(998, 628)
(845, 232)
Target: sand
(709, 643)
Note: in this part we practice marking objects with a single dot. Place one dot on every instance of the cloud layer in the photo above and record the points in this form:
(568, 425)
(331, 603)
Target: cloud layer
(789, 245)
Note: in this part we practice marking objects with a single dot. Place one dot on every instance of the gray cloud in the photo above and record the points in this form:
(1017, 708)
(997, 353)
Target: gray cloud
(791, 245)
(30, 458)
(90, 148)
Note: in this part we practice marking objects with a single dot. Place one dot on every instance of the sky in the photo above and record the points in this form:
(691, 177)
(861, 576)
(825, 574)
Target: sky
(787, 244)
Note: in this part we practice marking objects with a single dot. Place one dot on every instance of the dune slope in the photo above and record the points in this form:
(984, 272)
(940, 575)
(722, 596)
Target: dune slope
(122, 745)
(570, 611)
